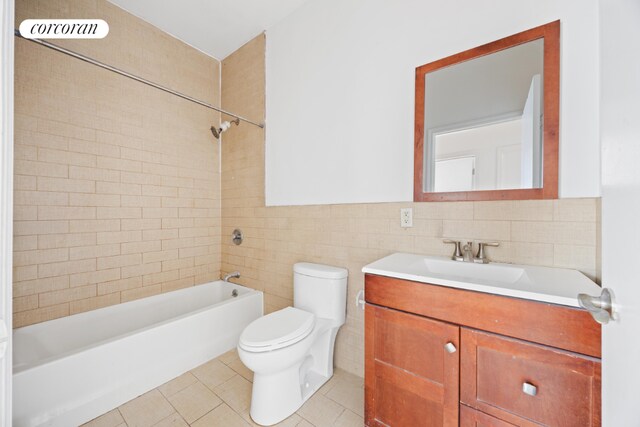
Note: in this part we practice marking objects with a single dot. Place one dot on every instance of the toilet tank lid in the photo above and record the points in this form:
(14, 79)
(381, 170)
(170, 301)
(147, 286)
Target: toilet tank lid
(320, 270)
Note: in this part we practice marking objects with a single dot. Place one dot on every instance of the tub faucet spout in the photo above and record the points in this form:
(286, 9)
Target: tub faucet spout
(233, 274)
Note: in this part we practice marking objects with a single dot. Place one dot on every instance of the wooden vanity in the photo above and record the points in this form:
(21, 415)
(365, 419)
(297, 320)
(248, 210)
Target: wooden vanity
(440, 356)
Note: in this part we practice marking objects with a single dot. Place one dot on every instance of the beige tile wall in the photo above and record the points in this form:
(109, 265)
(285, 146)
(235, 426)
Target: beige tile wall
(117, 184)
(559, 233)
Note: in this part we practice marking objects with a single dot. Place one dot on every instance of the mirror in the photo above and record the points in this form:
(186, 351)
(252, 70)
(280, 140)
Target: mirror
(486, 121)
(483, 122)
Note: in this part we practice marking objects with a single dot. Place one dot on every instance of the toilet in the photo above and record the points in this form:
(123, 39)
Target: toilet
(290, 351)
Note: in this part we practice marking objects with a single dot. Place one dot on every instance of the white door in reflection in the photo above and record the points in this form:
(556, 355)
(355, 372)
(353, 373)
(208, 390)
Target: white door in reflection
(457, 174)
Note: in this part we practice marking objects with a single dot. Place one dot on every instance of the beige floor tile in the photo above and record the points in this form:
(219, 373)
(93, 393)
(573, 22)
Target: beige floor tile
(213, 373)
(110, 419)
(349, 419)
(146, 410)
(194, 401)
(245, 416)
(222, 416)
(328, 385)
(348, 391)
(321, 411)
(229, 357)
(177, 384)
(239, 367)
(341, 375)
(291, 421)
(173, 420)
(236, 393)
(218, 393)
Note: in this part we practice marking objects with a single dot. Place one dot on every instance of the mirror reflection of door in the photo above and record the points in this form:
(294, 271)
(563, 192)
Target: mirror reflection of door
(531, 159)
(455, 174)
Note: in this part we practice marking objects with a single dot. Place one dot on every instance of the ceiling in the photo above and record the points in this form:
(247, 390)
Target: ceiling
(216, 27)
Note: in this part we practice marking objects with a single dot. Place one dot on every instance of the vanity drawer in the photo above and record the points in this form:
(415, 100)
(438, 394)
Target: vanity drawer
(518, 381)
(471, 418)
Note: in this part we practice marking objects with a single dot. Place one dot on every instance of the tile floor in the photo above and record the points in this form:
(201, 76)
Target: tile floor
(218, 393)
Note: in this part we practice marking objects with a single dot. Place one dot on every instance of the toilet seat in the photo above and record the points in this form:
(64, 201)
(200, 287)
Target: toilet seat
(277, 330)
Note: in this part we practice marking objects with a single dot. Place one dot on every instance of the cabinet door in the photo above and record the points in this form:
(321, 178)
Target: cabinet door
(526, 383)
(411, 370)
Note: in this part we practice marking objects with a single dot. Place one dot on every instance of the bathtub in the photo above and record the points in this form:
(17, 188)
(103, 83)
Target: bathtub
(70, 370)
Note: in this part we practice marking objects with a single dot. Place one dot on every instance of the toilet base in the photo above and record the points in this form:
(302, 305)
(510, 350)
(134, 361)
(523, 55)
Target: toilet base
(283, 379)
(276, 397)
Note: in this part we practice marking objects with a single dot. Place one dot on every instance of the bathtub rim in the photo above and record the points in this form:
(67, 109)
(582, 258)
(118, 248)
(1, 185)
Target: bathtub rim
(17, 370)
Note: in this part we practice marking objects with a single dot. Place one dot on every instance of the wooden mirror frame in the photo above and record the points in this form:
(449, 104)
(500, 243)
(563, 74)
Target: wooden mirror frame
(551, 89)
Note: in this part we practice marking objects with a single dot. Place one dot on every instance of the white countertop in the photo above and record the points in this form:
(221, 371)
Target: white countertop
(545, 284)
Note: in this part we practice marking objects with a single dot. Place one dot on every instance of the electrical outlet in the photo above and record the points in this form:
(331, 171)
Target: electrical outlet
(406, 217)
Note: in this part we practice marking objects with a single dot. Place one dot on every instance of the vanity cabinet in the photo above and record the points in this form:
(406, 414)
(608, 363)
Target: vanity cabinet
(404, 389)
(438, 356)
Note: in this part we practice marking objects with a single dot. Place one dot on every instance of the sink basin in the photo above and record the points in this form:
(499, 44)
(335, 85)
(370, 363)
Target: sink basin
(544, 284)
(471, 272)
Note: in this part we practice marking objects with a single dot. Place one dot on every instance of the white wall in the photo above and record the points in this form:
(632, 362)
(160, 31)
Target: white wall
(340, 90)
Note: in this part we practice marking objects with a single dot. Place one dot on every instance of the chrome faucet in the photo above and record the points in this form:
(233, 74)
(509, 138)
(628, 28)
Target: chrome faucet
(465, 253)
(232, 275)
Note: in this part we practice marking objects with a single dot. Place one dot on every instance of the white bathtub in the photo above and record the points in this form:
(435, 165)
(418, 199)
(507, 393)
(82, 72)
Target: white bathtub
(68, 371)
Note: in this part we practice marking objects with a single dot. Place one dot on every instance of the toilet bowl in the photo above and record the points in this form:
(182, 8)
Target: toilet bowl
(290, 351)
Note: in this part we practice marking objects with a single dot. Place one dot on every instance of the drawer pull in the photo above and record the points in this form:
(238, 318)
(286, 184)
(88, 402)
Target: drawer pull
(529, 389)
(450, 347)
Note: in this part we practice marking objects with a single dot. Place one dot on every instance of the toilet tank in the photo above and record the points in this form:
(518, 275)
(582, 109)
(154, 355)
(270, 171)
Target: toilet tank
(321, 290)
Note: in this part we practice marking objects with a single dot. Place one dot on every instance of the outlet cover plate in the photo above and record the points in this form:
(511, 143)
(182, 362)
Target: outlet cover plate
(406, 217)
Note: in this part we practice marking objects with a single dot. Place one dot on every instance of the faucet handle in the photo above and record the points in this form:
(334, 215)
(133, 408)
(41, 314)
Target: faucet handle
(480, 256)
(485, 244)
(457, 251)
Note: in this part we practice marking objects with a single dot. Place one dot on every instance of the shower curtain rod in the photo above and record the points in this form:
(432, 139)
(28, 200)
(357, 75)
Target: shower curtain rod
(134, 77)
